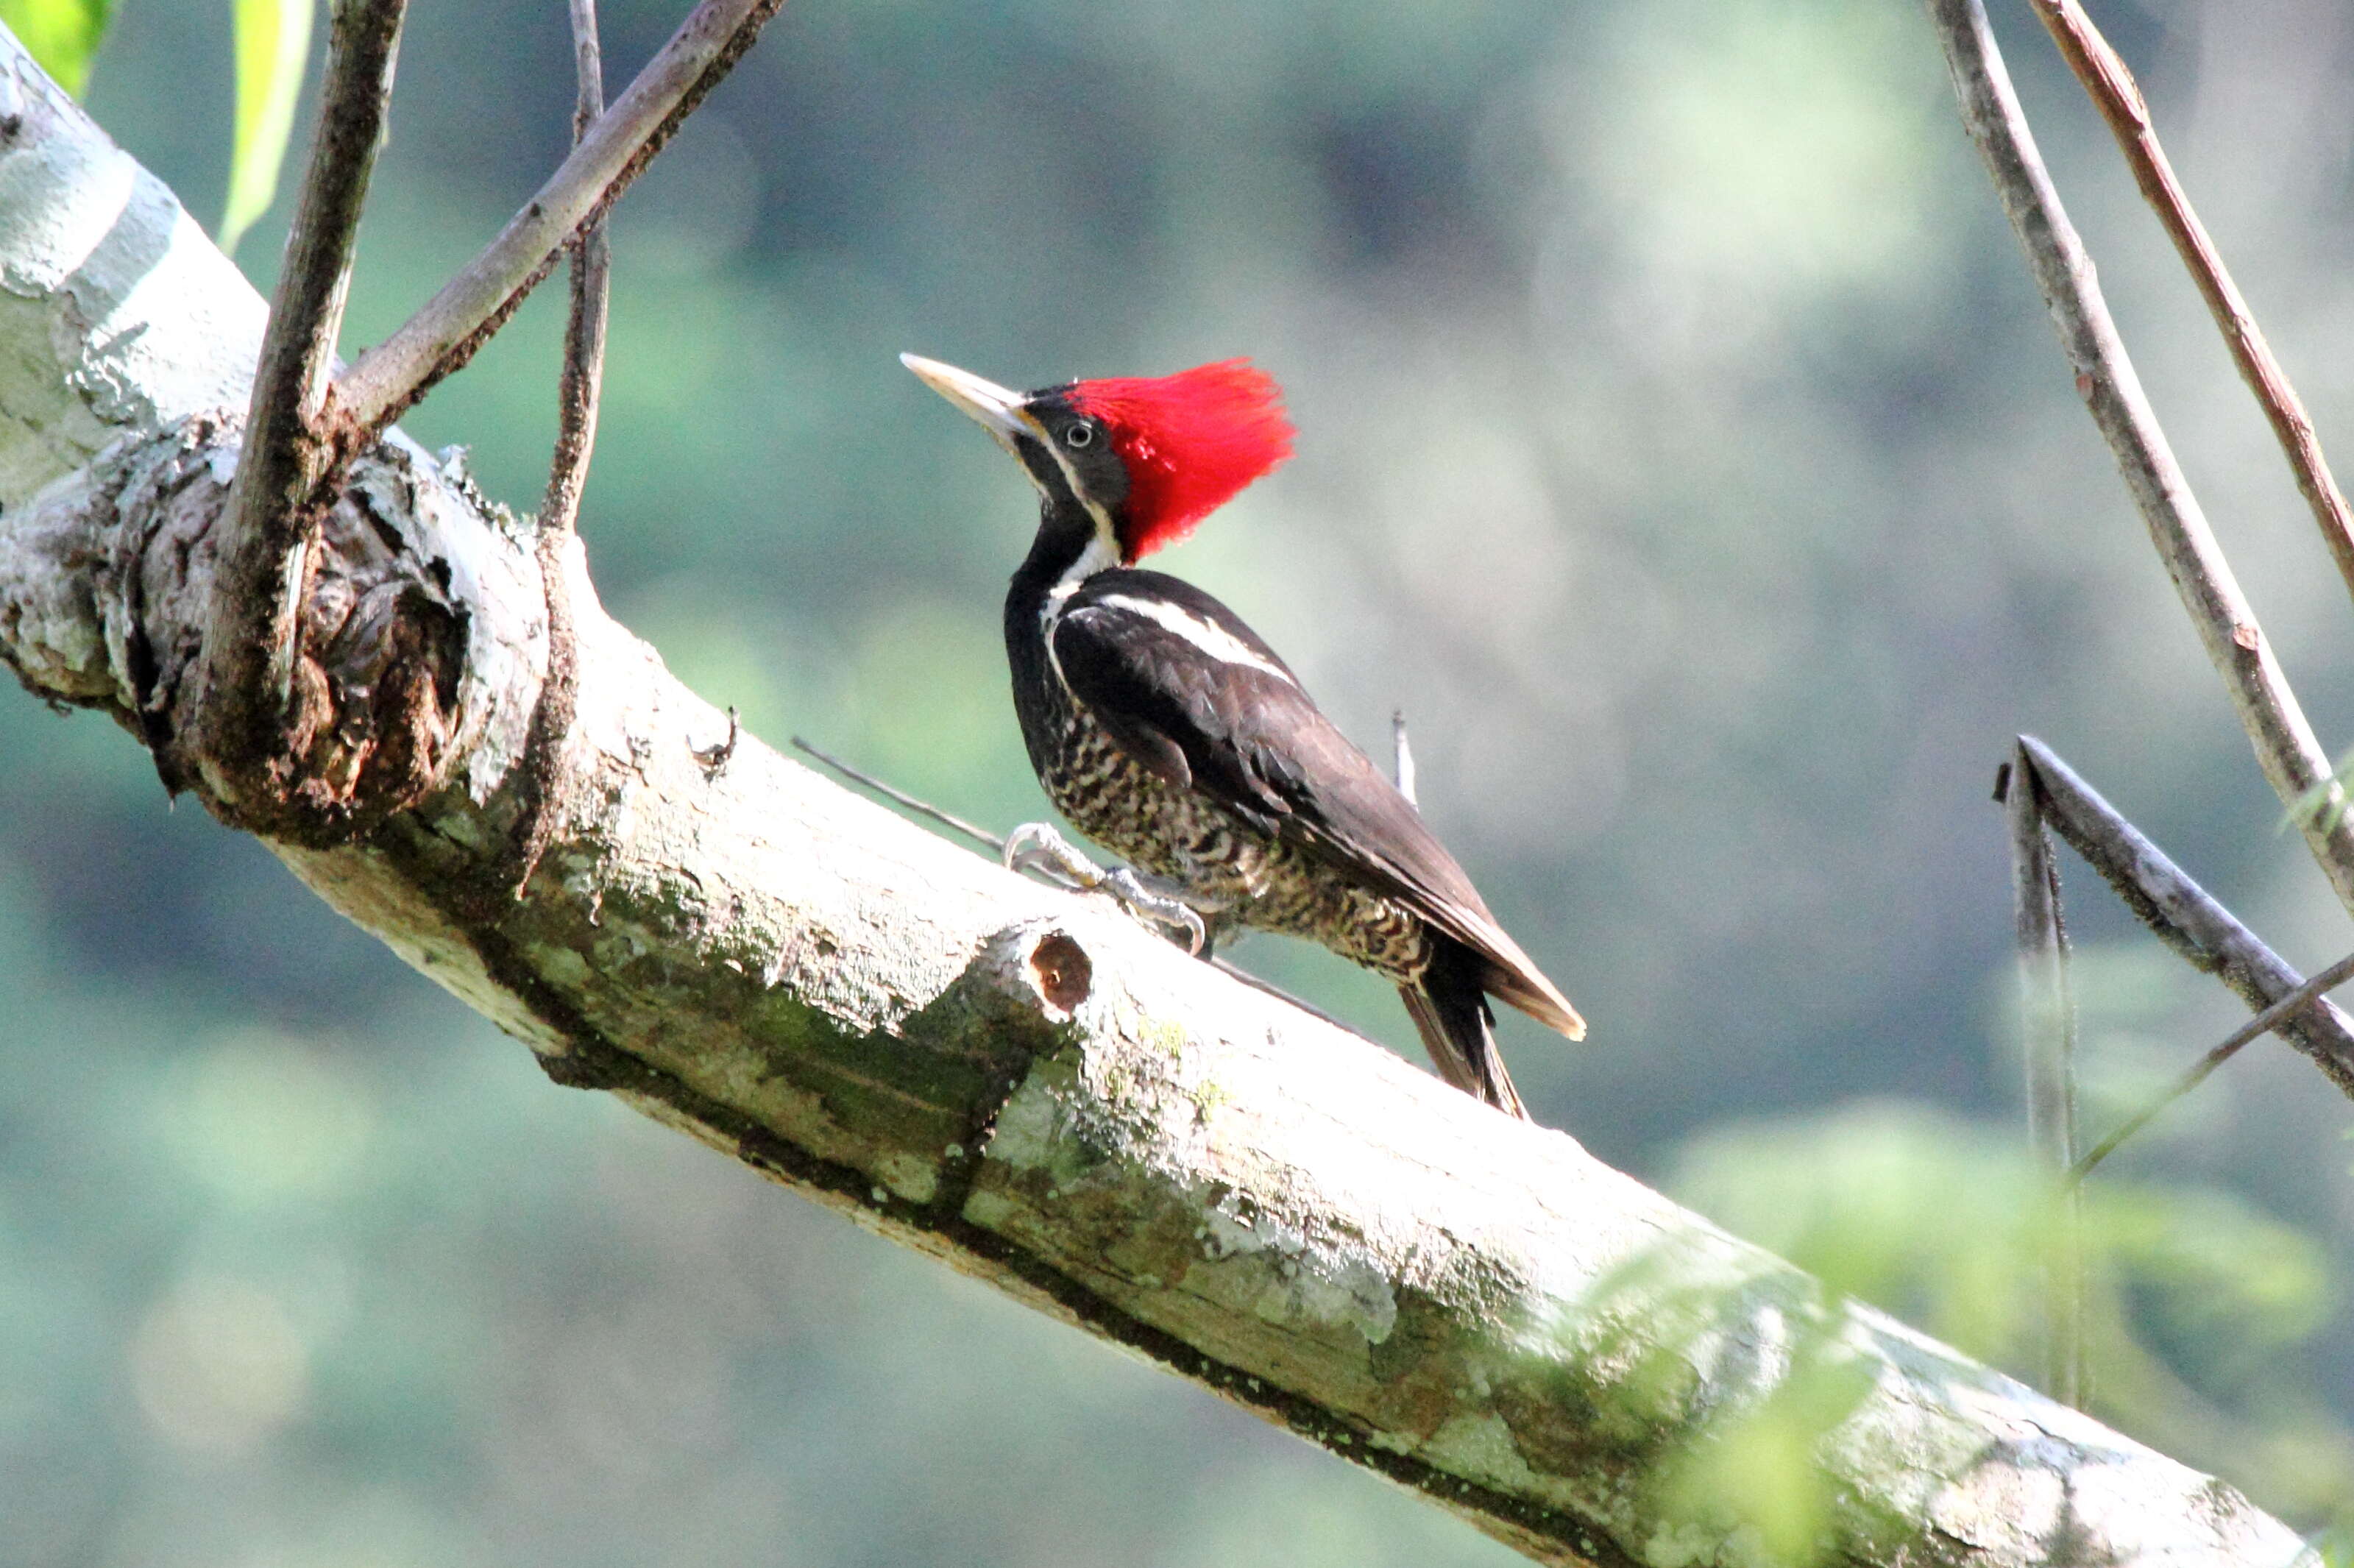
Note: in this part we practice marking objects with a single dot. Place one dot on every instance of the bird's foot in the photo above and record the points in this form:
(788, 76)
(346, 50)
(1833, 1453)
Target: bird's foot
(1035, 846)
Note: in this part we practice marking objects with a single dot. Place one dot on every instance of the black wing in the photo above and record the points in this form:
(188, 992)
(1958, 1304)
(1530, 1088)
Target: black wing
(1191, 693)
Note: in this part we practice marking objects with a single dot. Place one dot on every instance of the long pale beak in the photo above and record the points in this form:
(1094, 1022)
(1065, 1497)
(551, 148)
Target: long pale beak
(999, 411)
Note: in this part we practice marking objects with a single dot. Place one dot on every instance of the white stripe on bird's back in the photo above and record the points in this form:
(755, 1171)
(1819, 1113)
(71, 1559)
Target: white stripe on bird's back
(1208, 636)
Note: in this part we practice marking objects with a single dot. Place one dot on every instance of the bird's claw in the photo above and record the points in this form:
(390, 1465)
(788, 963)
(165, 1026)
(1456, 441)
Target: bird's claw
(1161, 909)
(1034, 847)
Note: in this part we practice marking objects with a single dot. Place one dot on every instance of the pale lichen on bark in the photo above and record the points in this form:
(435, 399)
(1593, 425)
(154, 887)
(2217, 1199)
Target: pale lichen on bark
(1007, 1077)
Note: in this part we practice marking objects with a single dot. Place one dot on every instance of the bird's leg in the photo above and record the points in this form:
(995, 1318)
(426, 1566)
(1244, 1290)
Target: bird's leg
(1036, 845)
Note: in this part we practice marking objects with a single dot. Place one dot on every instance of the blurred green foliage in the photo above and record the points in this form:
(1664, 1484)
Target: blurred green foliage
(1682, 448)
(274, 44)
(2196, 1301)
(63, 34)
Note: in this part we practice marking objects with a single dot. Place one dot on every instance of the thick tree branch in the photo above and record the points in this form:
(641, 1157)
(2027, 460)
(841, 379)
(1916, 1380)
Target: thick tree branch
(290, 446)
(2286, 749)
(1006, 1076)
(445, 333)
(2118, 97)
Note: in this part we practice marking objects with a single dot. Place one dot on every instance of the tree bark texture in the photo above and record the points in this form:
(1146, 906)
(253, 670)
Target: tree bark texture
(1012, 1079)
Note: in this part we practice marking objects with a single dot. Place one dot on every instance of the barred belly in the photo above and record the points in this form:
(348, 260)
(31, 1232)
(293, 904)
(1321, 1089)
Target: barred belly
(1224, 862)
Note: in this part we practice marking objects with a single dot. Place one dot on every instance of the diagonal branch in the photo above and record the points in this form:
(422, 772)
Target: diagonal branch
(2286, 748)
(2184, 916)
(446, 333)
(2119, 99)
(2264, 1022)
(290, 446)
(576, 440)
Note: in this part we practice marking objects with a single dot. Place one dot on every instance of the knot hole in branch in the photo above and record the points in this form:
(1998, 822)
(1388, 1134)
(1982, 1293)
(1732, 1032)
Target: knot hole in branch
(1062, 971)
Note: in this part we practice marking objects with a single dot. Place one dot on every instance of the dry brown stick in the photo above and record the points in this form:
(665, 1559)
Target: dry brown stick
(2286, 748)
(2120, 101)
(577, 389)
(2048, 1041)
(446, 332)
(996, 846)
(290, 445)
(2166, 899)
(2264, 1022)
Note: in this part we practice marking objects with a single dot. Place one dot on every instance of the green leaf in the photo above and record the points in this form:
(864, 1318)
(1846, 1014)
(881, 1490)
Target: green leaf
(273, 40)
(61, 35)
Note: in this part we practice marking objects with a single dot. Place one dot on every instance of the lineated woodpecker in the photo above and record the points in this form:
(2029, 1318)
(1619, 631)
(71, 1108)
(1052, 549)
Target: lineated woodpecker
(1168, 731)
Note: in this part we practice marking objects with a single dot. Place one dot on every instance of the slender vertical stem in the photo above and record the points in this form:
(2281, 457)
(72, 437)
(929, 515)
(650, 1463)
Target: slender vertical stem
(2286, 748)
(2118, 97)
(1402, 757)
(2048, 1040)
(290, 445)
(576, 440)
(584, 336)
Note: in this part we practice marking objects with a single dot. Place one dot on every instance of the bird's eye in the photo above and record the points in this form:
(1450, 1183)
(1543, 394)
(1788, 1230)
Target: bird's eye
(1077, 436)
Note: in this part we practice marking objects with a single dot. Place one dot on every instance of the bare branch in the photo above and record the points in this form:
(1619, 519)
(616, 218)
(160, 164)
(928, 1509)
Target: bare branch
(290, 446)
(576, 439)
(2048, 1045)
(2205, 934)
(445, 333)
(2286, 748)
(2264, 1022)
(2120, 101)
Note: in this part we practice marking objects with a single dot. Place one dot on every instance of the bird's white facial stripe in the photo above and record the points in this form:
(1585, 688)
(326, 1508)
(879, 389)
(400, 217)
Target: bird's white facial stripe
(1100, 555)
(1208, 636)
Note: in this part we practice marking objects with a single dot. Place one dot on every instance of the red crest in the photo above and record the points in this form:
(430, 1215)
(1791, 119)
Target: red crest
(1190, 441)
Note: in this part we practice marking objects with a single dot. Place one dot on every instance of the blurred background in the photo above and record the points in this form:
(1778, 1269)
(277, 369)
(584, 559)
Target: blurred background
(1684, 451)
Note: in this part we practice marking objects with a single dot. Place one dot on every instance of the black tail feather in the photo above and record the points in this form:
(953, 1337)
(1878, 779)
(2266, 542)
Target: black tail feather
(1451, 1014)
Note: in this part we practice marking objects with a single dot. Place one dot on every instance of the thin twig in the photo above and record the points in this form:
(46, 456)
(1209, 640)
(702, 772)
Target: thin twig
(292, 443)
(577, 388)
(982, 836)
(1401, 756)
(2205, 934)
(2264, 1022)
(441, 337)
(2119, 99)
(996, 846)
(716, 757)
(584, 336)
(2048, 1040)
(2285, 746)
